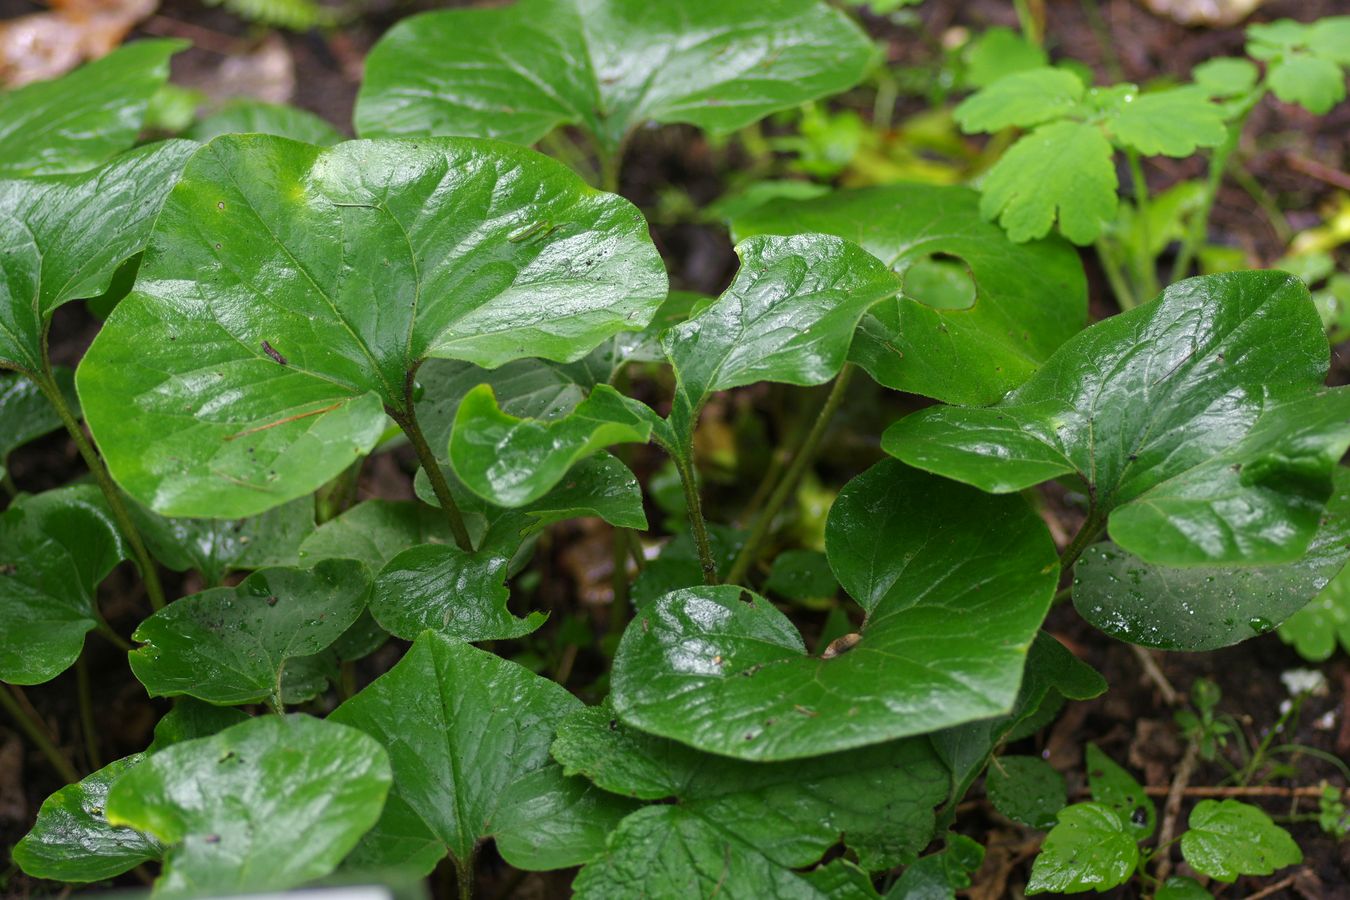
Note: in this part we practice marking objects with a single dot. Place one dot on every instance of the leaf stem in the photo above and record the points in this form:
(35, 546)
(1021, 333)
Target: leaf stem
(802, 457)
(1125, 298)
(46, 383)
(1090, 531)
(407, 420)
(37, 732)
(1027, 22)
(697, 524)
(1145, 266)
(1218, 165)
(87, 726)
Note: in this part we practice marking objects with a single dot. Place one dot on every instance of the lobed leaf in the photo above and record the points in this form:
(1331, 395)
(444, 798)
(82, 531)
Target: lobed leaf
(1023, 99)
(1228, 838)
(1090, 849)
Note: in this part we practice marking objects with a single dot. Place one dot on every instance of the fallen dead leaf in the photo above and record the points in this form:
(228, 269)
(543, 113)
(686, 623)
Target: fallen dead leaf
(49, 44)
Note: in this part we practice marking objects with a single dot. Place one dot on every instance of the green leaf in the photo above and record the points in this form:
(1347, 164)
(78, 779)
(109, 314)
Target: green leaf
(1194, 422)
(1208, 607)
(63, 237)
(72, 840)
(1026, 789)
(878, 800)
(952, 604)
(1173, 122)
(375, 531)
(1315, 84)
(518, 72)
(999, 52)
(1228, 76)
(1090, 849)
(1029, 298)
(940, 875)
(245, 644)
(1115, 788)
(443, 588)
(513, 462)
(25, 414)
(802, 575)
(1063, 170)
(1022, 99)
(229, 808)
(1304, 61)
(468, 735)
(1228, 838)
(256, 117)
(1179, 887)
(190, 719)
(217, 547)
(55, 549)
(78, 121)
(330, 275)
(1316, 628)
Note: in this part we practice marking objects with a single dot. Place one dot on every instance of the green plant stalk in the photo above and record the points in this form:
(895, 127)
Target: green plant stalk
(1237, 167)
(37, 733)
(1145, 266)
(407, 420)
(1027, 22)
(694, 507)
(1125, 297)
(618, 610)
(149, 573)
(1218, 164)
(87, 714)
(1091, 530)
(802, 458)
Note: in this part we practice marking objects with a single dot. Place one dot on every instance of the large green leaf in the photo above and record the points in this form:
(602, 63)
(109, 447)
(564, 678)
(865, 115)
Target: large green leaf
(1029, 298)
(1207, 607)
(55, 548)
(877, 800)
(62, 238)
(1194, 423)
(607, 66)
(289, 294)
(468, 735)
(25, 414)
(1228, 838)
(216, 547)
(241, 644)
(952, 603)
(75, 122)
(72, 839)
(262, 806)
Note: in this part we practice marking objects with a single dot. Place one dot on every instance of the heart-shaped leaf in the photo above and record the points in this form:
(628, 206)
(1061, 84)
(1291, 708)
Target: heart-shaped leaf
(952, 603)
(229, 808)
(72, 840)
(1228, 838)
(468, 736)
(512, 461)
(878, 800)
(289, 294)
(236, 645)
(25, 414)
(1029, 298)
(55, 549)
(606, 66)
(1194, 423)
(216, 547)
(75, 122)
(1090, 849)
(62, 237)
(1207, 607)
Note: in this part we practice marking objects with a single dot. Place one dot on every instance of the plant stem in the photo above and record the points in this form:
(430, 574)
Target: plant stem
(694, 507)
(87, 726)
(464, 875)
(1145, 268)
(618, 609)
(802, 458)
(1218, 164)
(1125, 298)
(407, 420)
(1027, 22)
(37, 733)
(1090, 531)
(105, 630)
(149, 573)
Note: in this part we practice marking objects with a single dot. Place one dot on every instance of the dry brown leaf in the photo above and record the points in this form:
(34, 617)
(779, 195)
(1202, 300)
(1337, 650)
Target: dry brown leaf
(49, 44)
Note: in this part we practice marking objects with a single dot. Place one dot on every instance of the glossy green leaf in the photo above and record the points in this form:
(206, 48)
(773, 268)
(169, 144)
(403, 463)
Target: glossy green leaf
(452, 592)
(55, 549)
(190, 719)
(1227, 838)
(25, 414)
(1194, 423)
(1115, 788)
(1026, 789)
(78, 121)
(229, 808)
(72, 840)
(1029, 298)
(468, 735)
(878, 800)
(952, 603)
(940, 875)
(329, 276)
(244, 644)
(1317, 628)
(1022, 99)
(1090, 849)
(607, 66)
(375, 531)
(802, 575)
(1207, 607)
(63, 237)
(513, 462)
(256, 117)
(217, 547)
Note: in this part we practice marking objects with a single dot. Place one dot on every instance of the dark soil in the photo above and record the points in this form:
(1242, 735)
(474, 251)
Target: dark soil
(1132, 722)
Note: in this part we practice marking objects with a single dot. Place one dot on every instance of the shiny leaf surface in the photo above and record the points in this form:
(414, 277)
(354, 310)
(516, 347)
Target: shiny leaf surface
(217, 547)
(1227, 838)
(1090, 849)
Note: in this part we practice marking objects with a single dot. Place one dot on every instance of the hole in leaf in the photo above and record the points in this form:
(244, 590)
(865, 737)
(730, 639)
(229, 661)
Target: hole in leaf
(940, 281)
